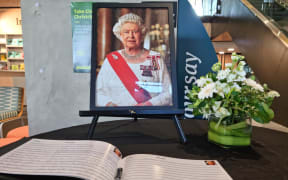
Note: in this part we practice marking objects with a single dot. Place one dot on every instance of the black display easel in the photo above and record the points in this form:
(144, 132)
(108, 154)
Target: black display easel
(171, 113)
(169, 110)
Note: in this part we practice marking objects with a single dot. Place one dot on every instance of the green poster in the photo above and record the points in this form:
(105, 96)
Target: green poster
(81, 16)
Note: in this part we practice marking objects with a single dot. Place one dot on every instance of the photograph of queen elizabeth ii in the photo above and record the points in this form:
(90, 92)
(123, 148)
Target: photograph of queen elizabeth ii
(135, 70)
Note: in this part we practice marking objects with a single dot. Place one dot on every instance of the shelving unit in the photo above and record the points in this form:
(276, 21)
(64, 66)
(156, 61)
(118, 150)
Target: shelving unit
(11, 53)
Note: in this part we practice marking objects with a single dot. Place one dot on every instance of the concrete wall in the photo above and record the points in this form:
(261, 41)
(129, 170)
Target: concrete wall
(54, 93)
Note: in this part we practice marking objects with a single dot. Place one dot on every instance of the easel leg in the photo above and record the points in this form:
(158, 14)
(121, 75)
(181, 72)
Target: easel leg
(92, 127)
(179, 130)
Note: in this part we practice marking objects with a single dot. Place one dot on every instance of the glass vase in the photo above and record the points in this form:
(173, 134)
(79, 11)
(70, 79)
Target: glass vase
(231, 131)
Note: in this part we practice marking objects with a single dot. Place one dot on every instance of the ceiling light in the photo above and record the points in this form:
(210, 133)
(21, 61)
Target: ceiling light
(230, 49)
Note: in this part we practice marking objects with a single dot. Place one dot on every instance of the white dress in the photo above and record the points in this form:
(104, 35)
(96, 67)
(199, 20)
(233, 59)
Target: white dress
(109, 87)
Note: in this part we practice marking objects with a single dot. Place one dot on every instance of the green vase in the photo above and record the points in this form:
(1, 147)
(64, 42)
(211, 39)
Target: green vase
(230, 132)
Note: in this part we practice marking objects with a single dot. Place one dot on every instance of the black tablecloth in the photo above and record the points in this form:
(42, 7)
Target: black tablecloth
(266, 158)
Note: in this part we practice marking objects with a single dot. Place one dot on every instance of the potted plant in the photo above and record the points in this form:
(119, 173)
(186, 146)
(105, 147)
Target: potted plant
(229, 100)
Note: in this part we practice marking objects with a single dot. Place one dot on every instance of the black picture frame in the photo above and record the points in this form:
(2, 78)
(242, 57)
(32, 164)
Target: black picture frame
(123, 110)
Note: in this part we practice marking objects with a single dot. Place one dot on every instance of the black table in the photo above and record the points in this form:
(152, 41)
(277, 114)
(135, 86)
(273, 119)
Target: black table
(267, 158)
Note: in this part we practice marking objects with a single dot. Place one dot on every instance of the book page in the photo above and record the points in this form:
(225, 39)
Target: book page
(153, 167)
(83, 159)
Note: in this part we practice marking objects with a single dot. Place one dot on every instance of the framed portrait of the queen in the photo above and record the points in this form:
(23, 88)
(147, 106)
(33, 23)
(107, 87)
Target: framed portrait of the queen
(133, 56)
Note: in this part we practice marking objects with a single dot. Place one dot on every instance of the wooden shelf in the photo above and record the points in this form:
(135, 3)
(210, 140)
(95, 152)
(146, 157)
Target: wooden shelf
(13, 71)
(16, 59)
(14, 34)
(14, 46)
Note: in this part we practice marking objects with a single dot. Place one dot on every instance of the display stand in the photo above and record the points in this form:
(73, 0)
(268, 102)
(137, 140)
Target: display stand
(171, 114)
(132, 84)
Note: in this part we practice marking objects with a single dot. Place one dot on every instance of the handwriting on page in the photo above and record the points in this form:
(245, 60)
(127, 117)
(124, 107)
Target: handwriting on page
(84, 159)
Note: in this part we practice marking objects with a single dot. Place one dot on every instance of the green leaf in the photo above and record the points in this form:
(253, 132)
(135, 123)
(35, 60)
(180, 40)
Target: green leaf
(235, 93)
(269, 101)
(268, 110)
(190, 106)
(214, 77)
(253, 77)
(197, 102)
(202, 104)
(239, 125)
(263, 113)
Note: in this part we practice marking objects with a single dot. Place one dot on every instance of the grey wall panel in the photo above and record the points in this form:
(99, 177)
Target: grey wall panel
(264, 52)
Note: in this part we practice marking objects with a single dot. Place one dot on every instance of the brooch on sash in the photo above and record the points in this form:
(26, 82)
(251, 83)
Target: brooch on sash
(115, 57)
(147, 70)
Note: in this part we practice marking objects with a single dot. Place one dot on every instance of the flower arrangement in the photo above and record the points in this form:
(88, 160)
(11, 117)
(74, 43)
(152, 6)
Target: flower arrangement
(230, 96)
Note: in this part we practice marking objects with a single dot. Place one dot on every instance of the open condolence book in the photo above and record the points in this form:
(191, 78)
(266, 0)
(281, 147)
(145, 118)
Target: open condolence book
(102, 161)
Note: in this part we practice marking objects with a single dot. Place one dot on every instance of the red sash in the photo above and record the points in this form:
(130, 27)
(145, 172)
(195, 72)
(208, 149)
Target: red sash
(127, 77)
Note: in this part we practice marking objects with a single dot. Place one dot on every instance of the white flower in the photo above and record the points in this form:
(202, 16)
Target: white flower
(241, 73)
(227, 89)
(236, 87)
(273, 94)
(216, 106)
(206, 115)
(202, 81)
(254, 84)
(222, 112)
(207, 91)
(221, 88)
(228, 65)
(241, 63)
(234, 58)
(222, 74)
(231, 78)
(240, 79)
(205, 112)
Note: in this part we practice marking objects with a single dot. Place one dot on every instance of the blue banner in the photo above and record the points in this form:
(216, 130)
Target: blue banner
(195, 52)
